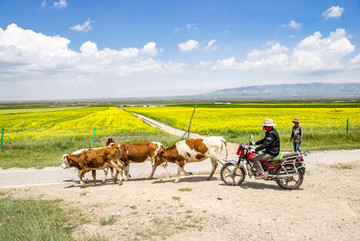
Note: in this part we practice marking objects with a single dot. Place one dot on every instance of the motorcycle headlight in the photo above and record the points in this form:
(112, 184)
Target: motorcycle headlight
(241, 147)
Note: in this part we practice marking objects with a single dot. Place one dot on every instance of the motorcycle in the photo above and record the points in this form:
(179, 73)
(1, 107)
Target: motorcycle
(287, 169)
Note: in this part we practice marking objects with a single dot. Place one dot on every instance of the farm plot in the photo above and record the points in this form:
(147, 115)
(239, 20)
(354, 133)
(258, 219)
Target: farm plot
(39, 138)
(324, 128)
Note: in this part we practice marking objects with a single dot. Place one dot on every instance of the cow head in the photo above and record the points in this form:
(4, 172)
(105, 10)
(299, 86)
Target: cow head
(65, 162)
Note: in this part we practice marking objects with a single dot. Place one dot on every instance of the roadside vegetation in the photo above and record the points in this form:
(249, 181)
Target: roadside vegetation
(35, 220)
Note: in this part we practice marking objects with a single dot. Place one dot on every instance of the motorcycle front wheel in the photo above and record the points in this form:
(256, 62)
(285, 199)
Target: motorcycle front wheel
(231, 175)
(292, 182)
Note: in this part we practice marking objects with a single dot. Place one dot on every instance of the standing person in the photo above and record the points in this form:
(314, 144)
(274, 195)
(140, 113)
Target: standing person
(296, 135)
(271, 144)
(110, 141)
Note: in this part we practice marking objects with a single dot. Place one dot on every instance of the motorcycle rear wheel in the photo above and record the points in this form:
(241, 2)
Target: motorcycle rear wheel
(231, 175)
(289, 183)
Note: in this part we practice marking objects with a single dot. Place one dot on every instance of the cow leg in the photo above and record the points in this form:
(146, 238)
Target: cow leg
(119, 170)
(112, 172)
(214, 166)
(181, 166)
(81, 175)
(127, 169)
(165, 165)
(105, 175)
(93, 172)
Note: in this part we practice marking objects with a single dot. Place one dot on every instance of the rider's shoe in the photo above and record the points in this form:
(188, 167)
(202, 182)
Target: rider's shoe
(261, 176)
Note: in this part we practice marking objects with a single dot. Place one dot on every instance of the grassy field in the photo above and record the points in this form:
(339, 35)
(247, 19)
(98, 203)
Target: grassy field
(39, 137)
(39, 220)
(324, 124)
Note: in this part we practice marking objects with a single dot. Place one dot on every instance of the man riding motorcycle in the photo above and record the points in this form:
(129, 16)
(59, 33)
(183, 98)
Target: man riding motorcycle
(271, 144)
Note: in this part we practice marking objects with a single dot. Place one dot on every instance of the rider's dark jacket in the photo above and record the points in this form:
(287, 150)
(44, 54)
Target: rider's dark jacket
(271, 143)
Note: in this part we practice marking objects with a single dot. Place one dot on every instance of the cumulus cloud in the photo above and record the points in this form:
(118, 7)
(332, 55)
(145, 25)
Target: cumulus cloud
(149, 49)
(84, 27)
(293, 24)
(189, 45)
(32, 54)
(314, 53)
(355, 63)
(60, 4)
(333, 12)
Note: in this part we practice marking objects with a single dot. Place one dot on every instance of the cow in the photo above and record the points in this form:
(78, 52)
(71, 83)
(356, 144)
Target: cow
(140, 152)
(94, 170)
(195, 150)
(94, 159)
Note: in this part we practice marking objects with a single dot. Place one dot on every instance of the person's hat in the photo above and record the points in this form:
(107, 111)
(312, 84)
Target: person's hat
(296, 120)
(110, 139)
(268, 122)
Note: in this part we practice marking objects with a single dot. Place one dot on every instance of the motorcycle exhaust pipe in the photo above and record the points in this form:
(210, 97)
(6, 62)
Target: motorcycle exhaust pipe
(281, 176)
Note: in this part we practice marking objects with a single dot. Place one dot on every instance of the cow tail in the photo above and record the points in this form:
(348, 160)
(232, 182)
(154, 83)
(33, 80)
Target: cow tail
(226, 149)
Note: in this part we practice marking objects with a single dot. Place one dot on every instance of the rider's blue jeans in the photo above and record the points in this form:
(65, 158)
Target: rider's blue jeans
(297, 146)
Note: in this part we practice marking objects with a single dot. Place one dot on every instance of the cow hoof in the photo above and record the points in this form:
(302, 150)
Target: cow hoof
(176, 181)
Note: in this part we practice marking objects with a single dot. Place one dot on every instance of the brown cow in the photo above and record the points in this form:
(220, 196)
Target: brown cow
(139, 152)
(94, 159)
(195, 150)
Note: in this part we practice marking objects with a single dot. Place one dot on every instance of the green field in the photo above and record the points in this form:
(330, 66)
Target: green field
(38, 137)
(325, 125)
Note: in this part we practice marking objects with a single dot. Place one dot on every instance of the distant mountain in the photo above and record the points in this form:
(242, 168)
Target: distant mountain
(289, 91)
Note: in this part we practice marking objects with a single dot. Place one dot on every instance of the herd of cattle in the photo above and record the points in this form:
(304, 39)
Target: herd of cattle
(119, 157)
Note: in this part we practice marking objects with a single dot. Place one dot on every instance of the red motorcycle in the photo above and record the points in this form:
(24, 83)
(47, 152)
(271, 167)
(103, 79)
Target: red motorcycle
(287, 169)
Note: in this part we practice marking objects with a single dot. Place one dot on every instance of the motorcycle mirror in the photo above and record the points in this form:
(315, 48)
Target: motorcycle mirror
(251, 136)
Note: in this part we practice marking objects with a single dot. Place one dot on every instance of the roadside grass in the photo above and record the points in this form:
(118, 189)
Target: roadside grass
(176, 198)
(185, 189)
(342, 166)
(35, 220)
(108, 221)
(40, 154)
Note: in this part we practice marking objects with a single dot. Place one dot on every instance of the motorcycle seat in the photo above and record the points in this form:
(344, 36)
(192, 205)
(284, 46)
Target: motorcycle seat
(291, 154)
(278, 157)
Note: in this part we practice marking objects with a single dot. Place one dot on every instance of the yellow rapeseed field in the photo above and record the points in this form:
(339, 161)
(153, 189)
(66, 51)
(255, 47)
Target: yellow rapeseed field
(232, 122)
(43, 124)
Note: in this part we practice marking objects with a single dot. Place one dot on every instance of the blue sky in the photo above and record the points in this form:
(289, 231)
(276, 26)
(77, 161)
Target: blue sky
(64, 49)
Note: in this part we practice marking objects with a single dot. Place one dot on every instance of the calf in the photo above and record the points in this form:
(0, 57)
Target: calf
(139, 152)
(94, 159)
(94, 170)
(196, 150)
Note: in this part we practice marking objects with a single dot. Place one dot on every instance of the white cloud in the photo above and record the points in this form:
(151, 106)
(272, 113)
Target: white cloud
(60, 4)
(355, 63)
(189, 26)
(149, 49)
(32, 55)
(333, 12)
(293, 24)
(313, 53)
(210, 46)
(189, 45)
(43, 3)
(84, 27)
